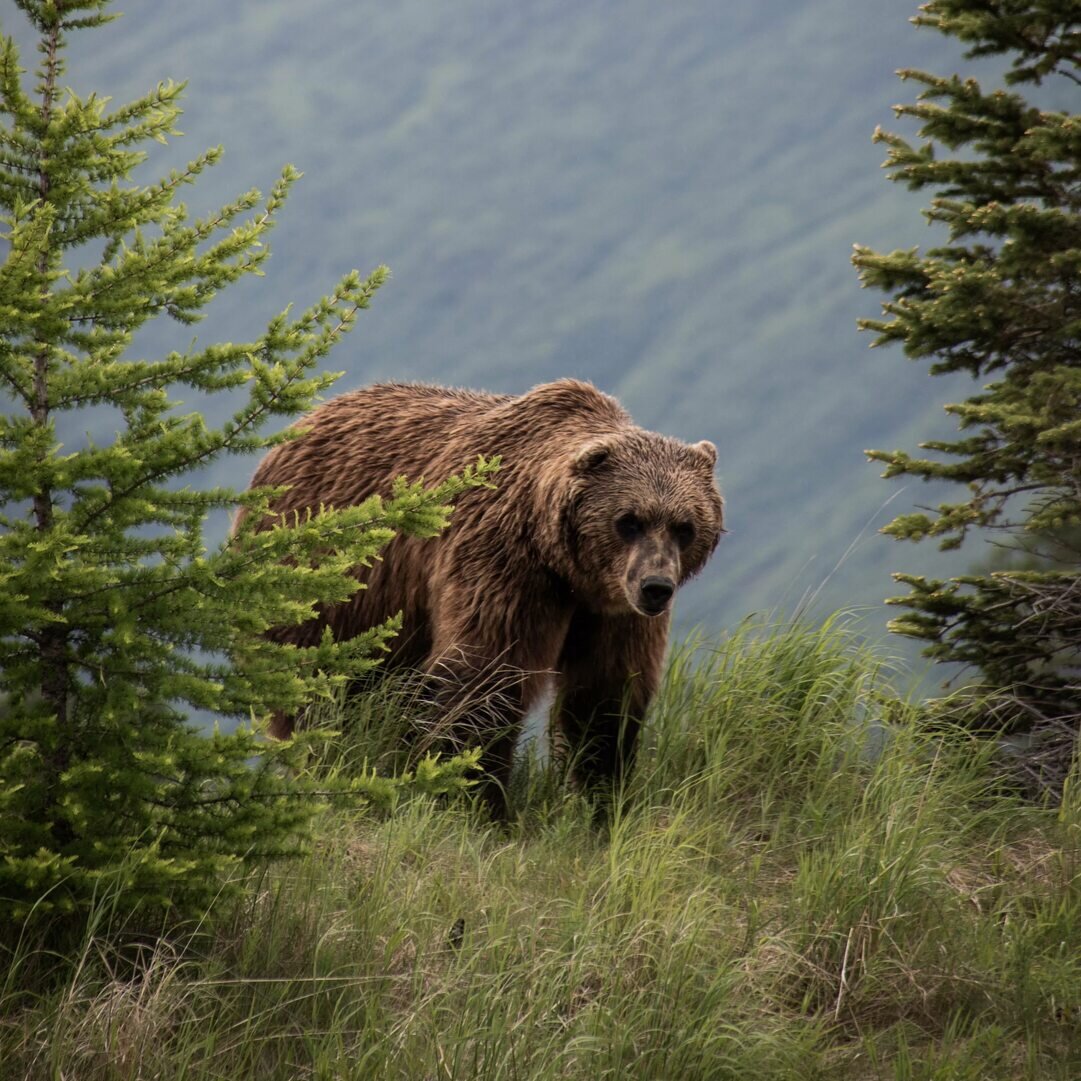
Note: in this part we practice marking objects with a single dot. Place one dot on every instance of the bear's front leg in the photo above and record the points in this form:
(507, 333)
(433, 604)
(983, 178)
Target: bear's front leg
(476, 702)
(609, 669)
(490, 660)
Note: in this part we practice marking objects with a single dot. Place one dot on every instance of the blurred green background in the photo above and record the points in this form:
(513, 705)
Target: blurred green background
(660, 198)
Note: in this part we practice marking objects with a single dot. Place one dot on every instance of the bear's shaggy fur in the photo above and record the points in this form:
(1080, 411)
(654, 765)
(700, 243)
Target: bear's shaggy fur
(564, 570)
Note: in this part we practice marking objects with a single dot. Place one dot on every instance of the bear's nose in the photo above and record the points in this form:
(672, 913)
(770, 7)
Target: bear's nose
(657, 591)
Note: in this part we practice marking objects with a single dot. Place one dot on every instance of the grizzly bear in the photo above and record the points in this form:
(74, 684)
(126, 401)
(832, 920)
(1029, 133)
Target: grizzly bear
(564, 571)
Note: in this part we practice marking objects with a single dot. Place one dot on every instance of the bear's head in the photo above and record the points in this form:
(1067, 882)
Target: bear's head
(641, 515)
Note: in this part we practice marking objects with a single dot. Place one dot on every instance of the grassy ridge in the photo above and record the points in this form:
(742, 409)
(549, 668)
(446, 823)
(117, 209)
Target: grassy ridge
(786, 896)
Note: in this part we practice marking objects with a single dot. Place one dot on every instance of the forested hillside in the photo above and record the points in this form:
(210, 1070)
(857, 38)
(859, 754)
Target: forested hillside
(658, 198)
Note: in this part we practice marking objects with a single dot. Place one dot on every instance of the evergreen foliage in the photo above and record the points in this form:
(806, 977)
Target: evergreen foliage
(1001, 300)
(114, 616)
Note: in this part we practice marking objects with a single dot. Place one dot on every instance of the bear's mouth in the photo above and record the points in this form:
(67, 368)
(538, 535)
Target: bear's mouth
(650, 611)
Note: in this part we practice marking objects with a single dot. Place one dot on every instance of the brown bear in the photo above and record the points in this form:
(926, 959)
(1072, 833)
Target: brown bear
(566, 569)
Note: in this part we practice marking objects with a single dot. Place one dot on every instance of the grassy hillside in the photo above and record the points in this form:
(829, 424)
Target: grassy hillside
(782, 898)
(660, 198)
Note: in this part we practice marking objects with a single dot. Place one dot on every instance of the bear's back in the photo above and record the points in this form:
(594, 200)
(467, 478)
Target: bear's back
(357, 443)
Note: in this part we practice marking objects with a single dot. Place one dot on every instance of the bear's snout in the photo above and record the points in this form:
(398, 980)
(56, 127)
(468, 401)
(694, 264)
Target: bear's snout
(654, 593)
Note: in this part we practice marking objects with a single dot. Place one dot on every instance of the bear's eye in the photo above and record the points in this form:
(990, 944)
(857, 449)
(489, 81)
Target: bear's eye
(684, 533)
(629, 527)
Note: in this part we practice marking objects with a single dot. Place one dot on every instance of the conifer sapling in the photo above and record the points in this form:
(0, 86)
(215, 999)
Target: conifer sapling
(115, 616)
(1000, 300)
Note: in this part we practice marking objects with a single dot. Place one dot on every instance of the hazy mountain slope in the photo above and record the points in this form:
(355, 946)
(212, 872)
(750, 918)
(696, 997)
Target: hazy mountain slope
(658, 197)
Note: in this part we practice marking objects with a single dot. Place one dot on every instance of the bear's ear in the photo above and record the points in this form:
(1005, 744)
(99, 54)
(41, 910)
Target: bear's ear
(592, 456)
(707, 450)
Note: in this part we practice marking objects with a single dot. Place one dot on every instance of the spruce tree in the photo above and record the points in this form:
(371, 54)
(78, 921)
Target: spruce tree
(1001, 301)
(115, 616)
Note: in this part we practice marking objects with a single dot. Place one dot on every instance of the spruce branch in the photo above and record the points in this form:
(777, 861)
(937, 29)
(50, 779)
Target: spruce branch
(1002, 296)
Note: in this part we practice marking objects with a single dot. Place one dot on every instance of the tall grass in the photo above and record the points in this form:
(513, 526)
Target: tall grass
(803, 882)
